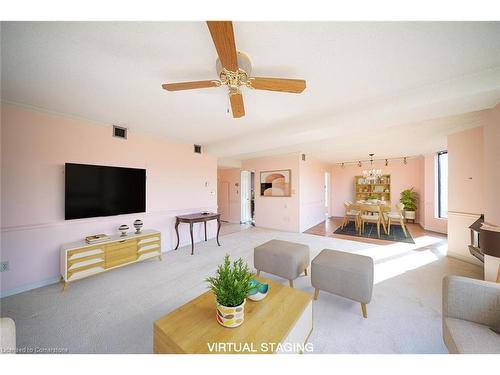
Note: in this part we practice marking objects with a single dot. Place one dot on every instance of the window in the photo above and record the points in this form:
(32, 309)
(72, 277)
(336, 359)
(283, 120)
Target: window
(442, 184)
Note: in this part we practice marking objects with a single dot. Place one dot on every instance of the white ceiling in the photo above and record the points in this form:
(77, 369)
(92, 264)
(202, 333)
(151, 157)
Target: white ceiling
(371, 87)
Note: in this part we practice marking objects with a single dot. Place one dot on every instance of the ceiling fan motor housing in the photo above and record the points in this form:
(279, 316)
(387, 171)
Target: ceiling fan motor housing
(244, 64)
(233, 80)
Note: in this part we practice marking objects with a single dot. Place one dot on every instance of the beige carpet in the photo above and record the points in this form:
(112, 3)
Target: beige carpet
(114, 312)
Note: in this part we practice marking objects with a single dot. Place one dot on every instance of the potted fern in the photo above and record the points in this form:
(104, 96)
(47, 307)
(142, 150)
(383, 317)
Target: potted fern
(409, 200)
(231, 285)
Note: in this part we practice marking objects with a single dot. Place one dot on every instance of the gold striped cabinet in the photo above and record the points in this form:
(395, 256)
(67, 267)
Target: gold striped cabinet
(80, 259)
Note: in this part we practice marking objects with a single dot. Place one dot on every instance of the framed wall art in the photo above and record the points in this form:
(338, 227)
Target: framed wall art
(276, 183)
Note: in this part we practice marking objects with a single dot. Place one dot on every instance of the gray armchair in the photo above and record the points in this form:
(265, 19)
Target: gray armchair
(470, 308)
(7, 336)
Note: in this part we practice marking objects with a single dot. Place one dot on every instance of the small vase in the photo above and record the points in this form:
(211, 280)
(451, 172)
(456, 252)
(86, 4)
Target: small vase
(123, 228)
(230, 317)
(138, 226)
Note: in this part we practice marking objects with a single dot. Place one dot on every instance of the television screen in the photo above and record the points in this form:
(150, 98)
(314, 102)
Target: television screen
(93, 190)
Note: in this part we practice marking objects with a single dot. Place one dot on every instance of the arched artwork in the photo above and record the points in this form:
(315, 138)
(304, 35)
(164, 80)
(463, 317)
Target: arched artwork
(275, 183)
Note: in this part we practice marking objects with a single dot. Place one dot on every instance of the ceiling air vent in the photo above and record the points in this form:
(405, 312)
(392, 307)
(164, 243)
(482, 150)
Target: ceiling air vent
(197, 149)
(119, 132)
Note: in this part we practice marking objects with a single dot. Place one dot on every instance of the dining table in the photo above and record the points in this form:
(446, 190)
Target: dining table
(385, 206)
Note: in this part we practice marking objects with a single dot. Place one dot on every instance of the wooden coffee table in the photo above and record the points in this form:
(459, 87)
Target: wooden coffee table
(284, 317)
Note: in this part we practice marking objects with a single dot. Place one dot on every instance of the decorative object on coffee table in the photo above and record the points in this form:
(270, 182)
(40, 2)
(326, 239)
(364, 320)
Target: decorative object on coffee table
(123, 228)
(258, 291)
(138, 225)
(231, 286)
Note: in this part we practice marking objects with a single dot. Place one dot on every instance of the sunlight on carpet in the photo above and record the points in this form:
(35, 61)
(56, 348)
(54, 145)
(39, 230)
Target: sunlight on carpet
(398, 266)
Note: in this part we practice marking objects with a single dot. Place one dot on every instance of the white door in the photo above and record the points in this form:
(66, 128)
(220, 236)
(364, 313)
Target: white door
(245, 188)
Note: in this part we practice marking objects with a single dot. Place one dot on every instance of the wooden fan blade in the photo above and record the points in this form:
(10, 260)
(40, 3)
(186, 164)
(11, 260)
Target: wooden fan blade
(278, 84)
(223, 37)
(237, 105)
(190, 85)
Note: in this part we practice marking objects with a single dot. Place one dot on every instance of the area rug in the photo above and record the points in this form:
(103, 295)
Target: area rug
(370, 231)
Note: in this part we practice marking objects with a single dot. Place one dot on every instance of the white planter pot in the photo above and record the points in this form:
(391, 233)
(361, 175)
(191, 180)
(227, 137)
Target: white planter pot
(410, 215)
(231, 317)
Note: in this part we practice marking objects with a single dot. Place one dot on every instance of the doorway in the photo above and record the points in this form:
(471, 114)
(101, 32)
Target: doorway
(223, 200)
(247, 189)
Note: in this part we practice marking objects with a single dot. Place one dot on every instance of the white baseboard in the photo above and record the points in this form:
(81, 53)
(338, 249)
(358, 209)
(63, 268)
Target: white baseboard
(25, 288)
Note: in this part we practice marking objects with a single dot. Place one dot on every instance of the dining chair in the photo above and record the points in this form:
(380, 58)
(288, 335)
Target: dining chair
(371, 213)
(351, 214)
(394, 216)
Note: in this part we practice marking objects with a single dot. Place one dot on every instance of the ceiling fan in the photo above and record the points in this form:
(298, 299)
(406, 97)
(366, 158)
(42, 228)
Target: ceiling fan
(234, 69)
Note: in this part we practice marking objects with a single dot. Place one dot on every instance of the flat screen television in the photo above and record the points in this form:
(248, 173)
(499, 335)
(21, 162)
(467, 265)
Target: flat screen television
(94, 190)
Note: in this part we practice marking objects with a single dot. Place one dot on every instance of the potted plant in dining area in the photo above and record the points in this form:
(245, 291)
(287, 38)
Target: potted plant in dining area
(231, 285)
(409, 200)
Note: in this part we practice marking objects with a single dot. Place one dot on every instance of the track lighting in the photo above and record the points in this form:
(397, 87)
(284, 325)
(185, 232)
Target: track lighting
(371, 160)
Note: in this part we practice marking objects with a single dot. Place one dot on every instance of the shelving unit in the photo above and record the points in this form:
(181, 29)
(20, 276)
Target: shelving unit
(380, 189)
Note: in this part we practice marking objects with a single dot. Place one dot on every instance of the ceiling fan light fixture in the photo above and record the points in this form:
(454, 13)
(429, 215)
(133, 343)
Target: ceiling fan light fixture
(234, 91)
(234, 79)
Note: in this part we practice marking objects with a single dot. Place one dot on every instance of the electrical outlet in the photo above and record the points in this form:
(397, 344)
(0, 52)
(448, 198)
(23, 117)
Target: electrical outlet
(4, 266)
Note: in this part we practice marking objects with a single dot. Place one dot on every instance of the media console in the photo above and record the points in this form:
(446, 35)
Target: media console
(80, 259)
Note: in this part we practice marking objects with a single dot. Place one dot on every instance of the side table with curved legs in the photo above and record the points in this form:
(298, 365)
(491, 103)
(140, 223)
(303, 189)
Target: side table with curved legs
(196, 218)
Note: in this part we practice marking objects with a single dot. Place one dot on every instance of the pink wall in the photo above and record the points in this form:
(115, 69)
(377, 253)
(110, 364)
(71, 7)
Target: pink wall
(431, 221)
(465, 188)
(35, 146)
(276, 212)
(303, 210)
(402, 177)
(232, 176)
(491, 136)
(312, 192)
(474, 177)
(465, 160)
